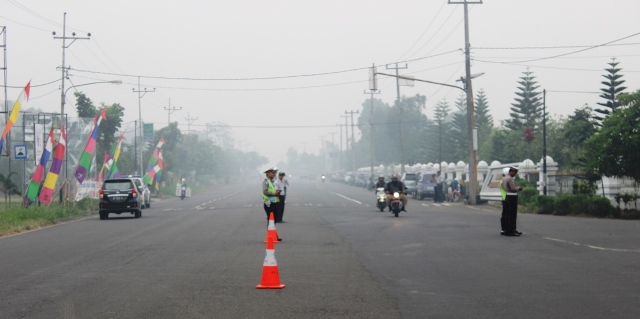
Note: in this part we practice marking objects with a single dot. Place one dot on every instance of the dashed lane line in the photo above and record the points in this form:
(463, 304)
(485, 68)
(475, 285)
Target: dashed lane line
(591, 246)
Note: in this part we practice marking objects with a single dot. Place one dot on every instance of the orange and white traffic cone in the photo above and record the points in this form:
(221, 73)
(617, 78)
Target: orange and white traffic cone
(271, 230)
(270, 277)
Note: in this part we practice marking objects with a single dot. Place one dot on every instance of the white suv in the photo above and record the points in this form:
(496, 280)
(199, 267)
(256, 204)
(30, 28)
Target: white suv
(144, 190)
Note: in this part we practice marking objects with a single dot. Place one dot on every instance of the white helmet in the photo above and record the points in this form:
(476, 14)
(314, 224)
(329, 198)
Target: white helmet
(505, 171)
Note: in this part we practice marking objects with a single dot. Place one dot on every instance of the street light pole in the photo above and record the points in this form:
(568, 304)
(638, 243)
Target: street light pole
(62, 115)
(140, 95)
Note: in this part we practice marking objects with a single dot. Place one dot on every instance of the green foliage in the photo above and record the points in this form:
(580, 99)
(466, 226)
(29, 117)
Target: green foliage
(527, 111)
(18, 219)
(610, 92)
(460, 133)
(7, 186)
(583, 187)
(526, 194)
(544, 204)
(87, 204)
(613, 150)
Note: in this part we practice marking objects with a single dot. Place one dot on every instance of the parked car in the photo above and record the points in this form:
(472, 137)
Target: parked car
(409, 177)
(120, 195)
(411, 187)
(424, 186)
(143, 189)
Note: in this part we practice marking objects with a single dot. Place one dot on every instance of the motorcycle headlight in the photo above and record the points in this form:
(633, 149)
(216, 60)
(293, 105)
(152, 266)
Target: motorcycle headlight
(396, 195)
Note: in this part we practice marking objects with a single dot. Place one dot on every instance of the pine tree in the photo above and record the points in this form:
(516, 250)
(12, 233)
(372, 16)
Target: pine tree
(610, 93)
(460, 134)
(441, 131)
(527, 110)
(483, 118)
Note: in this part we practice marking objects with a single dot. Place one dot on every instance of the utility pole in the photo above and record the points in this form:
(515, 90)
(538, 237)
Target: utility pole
(473, 175)
(371, 131)
(190, 121)
(397, 68)
(65, 69)
(353, 139)
(346, 141)
(333, 150)
(171, 110)
(544, 142)
(141, 93)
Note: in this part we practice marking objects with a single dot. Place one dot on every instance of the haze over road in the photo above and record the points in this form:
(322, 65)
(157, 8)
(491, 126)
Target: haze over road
(341, 257)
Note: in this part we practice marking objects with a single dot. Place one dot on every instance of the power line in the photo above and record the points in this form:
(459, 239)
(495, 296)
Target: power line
(549, 67)
(574, 52)
(550, 47)
(425, 31)
(257, 78)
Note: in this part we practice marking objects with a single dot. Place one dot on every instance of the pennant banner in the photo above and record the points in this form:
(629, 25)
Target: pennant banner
(84, 164)
(54, 171)
(38, 175)
(22, 99)
(153, 161)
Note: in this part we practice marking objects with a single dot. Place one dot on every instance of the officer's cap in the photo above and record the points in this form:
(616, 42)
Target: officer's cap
(272, 169)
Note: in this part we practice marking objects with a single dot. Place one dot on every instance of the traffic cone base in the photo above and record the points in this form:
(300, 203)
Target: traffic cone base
(271, 230)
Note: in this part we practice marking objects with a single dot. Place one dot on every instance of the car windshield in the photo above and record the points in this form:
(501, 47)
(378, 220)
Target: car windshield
(410, 183)
(117, 185)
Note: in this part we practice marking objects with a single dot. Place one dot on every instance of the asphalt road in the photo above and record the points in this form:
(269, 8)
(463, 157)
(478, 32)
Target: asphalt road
(340, 258)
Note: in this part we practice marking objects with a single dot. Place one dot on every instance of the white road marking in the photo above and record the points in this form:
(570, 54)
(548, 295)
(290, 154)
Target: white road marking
(591, 246)
(347, 198)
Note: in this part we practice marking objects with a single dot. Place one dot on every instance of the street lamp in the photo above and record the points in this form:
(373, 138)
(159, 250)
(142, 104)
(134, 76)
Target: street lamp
(64, 98)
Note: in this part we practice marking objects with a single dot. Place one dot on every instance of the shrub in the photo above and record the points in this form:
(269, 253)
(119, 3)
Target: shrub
(599, 207)
(526, 195)
(544, 204)
(87, 204)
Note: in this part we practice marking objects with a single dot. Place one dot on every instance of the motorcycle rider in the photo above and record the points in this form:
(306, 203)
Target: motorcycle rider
(396, 186)
(380, 184)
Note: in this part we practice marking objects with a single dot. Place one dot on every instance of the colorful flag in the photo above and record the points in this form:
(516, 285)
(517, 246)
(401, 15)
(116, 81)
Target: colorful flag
(158, 177)
(84, 164)
(22, 98)
(104, 164)
(112, 165)
(153, 161)
(38, 175)
(54, 170)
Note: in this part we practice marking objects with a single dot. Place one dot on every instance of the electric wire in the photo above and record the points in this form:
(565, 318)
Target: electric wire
(424, 32)
(572, 52)
(548, 67)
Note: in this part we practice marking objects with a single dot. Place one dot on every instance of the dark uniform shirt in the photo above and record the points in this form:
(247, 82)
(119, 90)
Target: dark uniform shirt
(396, 186)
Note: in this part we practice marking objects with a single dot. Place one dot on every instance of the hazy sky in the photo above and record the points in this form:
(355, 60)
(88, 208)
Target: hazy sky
(191, 50)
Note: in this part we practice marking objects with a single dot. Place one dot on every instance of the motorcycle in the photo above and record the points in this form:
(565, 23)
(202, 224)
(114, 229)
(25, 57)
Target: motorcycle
(396, 204)
(381, 198)
(454, 195)
(183, 192)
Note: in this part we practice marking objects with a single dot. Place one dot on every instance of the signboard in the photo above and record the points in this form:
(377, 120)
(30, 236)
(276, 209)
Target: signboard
(147, 132)
(38, 142)
(491, 185)
(20, 151)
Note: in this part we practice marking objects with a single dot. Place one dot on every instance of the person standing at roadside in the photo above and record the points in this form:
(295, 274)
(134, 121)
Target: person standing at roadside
(503, 194)
(281, 185)
(270, 194)
(511, 202)
(434, 181)
(440, 189)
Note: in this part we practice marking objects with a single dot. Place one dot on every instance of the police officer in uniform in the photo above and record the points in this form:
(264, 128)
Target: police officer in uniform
(503, 194)
(511, 202)
(270, 195)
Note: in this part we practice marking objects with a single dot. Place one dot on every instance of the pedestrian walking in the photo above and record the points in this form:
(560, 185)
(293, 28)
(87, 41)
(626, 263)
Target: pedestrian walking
(511, 202)
(270, 194)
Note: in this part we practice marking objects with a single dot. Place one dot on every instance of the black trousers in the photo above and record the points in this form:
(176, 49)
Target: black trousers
(503, 218)
(273, 208)
(280, 212)
(512, 213)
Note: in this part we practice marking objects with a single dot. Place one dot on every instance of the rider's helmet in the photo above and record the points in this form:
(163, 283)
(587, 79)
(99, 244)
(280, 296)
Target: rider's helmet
(394, 176)
(381, 177)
